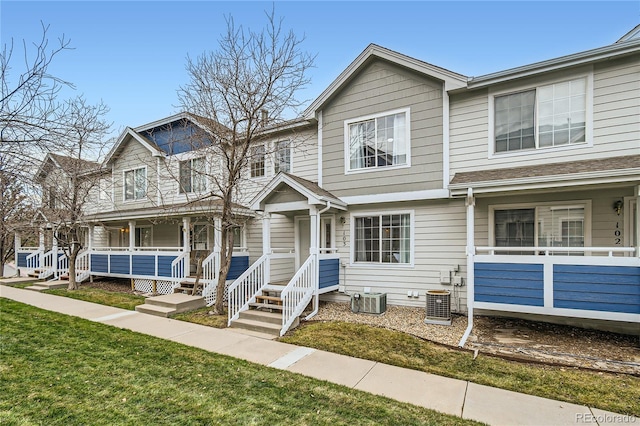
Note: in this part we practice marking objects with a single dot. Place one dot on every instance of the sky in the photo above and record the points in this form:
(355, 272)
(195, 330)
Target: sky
(132, 55)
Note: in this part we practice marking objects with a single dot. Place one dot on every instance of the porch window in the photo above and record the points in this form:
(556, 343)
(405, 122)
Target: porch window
(383, 239)
(545, 116)
(541, 226)
(135, 184)
(237, 236)
(143, 236)
(199, 237)
(282, 160)
(192, 175)
(378, 141)
(257, 161)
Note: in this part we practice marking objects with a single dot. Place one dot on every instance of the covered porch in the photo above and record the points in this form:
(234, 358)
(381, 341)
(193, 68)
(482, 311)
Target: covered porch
(289, 277)
(567, 251)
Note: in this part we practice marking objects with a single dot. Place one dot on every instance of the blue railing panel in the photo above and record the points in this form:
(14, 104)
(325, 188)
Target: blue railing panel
(510, 283)
(597, 288)
(329, 272)
(239, 264)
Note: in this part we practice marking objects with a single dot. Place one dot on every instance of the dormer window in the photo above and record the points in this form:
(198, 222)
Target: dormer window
(135, 184)
(377, 141)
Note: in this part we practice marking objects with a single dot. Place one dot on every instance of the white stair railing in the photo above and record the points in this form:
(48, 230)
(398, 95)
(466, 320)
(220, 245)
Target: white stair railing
(49, 263)
(63, 266)
(179, 268)
(210, 269)
(298, 292)
(244, 290)
(33, 260)
(83, 266)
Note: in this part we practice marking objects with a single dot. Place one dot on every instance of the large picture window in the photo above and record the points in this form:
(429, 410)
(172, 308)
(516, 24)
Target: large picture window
(378, 141)
(546, 116)
(135, 184)
(192, 175)
(553, 226)
(384, 238)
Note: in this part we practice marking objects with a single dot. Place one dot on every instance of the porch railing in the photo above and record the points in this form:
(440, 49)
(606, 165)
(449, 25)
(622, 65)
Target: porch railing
(48, 264)
(33, 259)
(551, 251)
(179, 267)
(298, 292)
(243, 290)
(83, 266)
(210, 269)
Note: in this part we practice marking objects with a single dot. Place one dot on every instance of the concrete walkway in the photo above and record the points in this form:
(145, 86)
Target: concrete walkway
(465, 399)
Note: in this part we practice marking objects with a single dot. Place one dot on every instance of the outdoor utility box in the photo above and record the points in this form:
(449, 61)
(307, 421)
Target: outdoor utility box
(369, 303)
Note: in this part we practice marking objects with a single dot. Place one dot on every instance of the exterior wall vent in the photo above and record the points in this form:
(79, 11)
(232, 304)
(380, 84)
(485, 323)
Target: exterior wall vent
(438, 307)
(369, 303)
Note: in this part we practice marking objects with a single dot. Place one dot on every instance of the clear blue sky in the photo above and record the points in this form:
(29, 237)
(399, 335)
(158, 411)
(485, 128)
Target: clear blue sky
(132, 55)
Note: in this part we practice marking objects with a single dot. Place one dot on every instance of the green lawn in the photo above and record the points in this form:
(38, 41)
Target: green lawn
(103, 297)
(613, 392)
(62, 370)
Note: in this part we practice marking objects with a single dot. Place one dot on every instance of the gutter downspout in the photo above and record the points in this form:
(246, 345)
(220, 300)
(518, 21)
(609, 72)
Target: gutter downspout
(470, 272)
(316, 296)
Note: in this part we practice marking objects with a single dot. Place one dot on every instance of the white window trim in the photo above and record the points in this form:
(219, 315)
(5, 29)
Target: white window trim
(206, 176)
(207, 237)
(347, 159)
(352, 229)
(587, 74)
(264, 161)
(576, 204)
(275, 154)
(124, 185)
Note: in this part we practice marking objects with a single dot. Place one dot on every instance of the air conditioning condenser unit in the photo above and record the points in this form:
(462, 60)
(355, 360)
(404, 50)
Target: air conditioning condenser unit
(369, 303)
(438, 307)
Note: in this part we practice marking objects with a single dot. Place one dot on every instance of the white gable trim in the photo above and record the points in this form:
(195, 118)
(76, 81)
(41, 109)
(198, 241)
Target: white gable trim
(312, 198)
(123, 138)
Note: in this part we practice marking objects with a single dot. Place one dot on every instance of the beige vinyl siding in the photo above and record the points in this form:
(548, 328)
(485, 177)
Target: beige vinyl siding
(133, 156)
(439, 244)
(616, 121)
(381, 87)
(305, 155)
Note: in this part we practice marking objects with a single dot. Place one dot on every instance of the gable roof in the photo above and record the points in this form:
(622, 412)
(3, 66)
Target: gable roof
(614, 169)
(633, 34)
(124, 138)
(451, 79)
(310, 190)
(66, 164)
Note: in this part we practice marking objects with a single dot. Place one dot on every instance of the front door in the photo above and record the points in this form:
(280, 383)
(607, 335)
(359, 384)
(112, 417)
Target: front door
(303, 240)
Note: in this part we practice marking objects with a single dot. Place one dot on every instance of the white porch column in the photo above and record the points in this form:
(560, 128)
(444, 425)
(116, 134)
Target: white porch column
(266, 233)
(132, 235)
(471, 250)
(217, 235)
(314, 228)
(186, 234)
(90, 242)
(41, 239)
(637, 224)
(17, 241)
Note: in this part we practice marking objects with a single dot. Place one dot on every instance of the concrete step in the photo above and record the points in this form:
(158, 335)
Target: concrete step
(262, 316)
(48, 285)
(172, 303)
(257, 326)
(159, 311)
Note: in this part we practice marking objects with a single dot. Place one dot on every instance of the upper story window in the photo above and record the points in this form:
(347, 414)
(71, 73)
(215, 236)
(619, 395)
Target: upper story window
(545, 116)
(192, 175)
(382, 238)
(377, 141)
(257, 161)
(282, 160)
(103, 189)
(135, 184)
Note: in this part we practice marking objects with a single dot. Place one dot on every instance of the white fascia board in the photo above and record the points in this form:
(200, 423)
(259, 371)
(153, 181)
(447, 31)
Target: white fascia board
(561, 312)
(588, 56)
(548, 182)
(163, 121)
(451, 79)
(129, 131)
(429, 194)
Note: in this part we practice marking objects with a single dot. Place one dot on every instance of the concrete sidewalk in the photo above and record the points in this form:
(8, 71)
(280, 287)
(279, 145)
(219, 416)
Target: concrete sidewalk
(465, 399)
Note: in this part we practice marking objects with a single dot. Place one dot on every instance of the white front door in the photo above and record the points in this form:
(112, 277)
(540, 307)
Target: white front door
(303, 239)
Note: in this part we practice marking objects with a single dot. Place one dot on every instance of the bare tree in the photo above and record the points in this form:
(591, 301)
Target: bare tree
(237, 92)
(29, 122)
(71, 189)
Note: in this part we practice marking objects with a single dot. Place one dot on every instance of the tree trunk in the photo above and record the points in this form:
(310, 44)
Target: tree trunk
(73, 255)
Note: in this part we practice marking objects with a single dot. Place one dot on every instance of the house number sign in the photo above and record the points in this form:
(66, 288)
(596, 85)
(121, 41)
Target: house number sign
(617, 235)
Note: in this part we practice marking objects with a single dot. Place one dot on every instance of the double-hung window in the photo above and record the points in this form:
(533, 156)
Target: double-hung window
(382, 238)
(377, 141)
(192, 175)
(257, 161)
(135, 184)
(550, 226)
(542, 117)
(282, 160)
